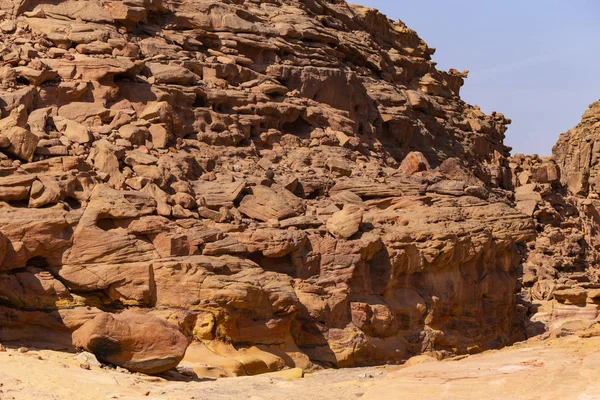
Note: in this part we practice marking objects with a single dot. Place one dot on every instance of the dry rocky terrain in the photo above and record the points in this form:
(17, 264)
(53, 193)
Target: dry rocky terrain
(241, 187)
(556, 368)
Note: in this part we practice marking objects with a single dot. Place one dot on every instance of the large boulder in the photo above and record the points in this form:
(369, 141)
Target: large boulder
(133, 340)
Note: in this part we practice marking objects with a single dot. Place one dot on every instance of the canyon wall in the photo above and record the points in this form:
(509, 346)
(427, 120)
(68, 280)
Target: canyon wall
(560, 274)
(288, 183)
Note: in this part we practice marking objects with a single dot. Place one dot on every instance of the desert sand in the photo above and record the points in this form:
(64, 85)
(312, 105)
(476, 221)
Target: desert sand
(560, 368)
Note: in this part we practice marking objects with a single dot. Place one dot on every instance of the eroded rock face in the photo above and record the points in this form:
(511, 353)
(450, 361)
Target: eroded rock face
(577, 154)
(560, 279)
(287, 183)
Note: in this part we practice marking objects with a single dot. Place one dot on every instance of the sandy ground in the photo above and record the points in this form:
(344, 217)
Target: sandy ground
(565, 368)
(43, 374)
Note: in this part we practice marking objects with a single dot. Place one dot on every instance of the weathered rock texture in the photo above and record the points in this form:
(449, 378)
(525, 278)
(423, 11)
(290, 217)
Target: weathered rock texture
(289, 182)
(561, 281)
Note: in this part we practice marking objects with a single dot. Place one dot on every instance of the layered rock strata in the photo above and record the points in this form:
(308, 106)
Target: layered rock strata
(288, 182)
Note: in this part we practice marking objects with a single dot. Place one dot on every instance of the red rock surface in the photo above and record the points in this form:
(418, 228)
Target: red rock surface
(288, 182)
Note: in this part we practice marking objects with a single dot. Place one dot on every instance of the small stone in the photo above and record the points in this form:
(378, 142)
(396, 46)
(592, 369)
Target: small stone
(273, 223)
(339, 166)
(8, 26)
(88, 358)
(270, 174)
(186, 371)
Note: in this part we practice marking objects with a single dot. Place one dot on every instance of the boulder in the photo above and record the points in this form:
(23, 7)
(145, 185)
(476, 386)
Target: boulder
(417, 99)
(17, 117)
(528, 198)
(132, 340)
(134, 133)
(74, 131)
(159, 135)
(217, 194)
(163, 73)
(82, 111)
(266, 203)
(22, 143)
(36, 76)
(345, 223)
(414, 162)
(546, 173)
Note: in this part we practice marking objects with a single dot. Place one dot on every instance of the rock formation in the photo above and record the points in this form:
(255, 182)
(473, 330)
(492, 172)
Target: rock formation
(289, 183)
(560, 279)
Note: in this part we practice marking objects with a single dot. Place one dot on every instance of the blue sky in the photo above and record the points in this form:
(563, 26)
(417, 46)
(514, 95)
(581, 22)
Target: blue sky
(536, 61)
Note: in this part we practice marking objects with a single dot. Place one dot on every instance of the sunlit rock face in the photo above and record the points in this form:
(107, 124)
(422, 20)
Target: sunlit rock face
(289, 183)
(561, 280)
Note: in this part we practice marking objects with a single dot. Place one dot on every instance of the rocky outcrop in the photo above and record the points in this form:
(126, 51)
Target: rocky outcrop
(560, 279)
(288, 183)
(577, 154)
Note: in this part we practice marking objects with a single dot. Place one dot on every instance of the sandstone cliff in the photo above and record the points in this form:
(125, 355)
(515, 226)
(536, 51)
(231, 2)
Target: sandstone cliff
(560, 275)
(288, 182)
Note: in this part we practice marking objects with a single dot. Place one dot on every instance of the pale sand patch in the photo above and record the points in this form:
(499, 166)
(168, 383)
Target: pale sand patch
(565, 368)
